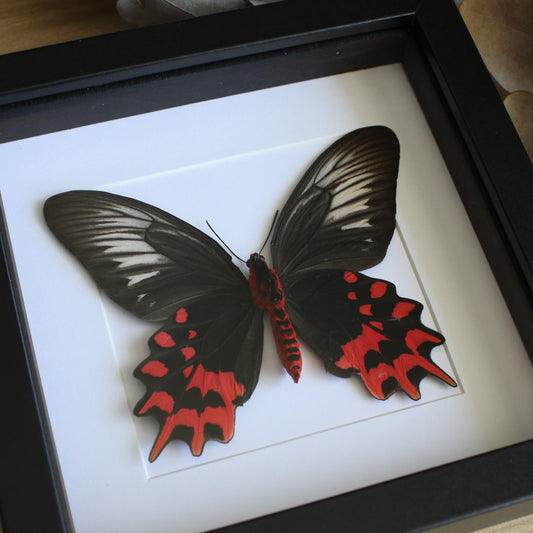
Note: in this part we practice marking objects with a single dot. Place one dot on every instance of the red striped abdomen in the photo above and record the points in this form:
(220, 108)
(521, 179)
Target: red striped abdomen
(286, 341)
(268, 294)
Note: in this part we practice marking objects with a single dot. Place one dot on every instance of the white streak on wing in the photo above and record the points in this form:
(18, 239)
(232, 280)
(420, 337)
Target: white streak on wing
(347, 211)
(128, 261)
(121, 222)
(341, 173)
(115, 236)
(358, 224)
(137, 278)
(126, 246)
(348, 197)
(110, 211)
(135, 213)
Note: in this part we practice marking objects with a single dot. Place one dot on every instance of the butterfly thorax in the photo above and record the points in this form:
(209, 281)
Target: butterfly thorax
(267, 294)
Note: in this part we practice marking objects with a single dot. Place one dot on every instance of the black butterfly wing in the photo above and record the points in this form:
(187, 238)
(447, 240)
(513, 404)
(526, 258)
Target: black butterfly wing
(342, 212)
(338, 221)
(205, 360)
(359, 325)
(146, 260)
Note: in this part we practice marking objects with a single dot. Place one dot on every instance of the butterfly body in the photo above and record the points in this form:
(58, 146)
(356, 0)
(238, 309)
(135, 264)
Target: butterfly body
(205, 359)
(267, 294)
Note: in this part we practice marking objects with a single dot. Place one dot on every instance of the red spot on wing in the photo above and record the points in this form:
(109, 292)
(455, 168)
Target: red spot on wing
(159, 399)
(164, 340)
(350, 277)
(366, 309)
(188, 352)
(192, 334)
(378, 289)
(352, 296)
(378, 325)
(227, 387)
(155, 369)
(187, 371)
(402, 309)
(181, 316)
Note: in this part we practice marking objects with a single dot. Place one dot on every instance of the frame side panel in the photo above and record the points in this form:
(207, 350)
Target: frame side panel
(30, 488)
(490, 172)
(487, 130)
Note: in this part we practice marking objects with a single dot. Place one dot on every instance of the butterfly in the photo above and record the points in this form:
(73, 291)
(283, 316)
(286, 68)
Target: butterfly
(205, 358)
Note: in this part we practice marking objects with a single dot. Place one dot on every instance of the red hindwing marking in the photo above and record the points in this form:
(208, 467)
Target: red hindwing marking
(164, 340)
(227, 387)
(415, 337)
(354, 357)
(356, 349)
(155, 369)
(187, 371)
(350, 277)
(402, 309)
(352, 296)
(188, 352)
(181, 316)
(159, 399)
(366, 309)
(378, 289)
(413, 340)
(192, 334)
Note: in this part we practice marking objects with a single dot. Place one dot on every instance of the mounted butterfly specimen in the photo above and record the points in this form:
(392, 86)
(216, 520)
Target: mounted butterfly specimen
(205, 359)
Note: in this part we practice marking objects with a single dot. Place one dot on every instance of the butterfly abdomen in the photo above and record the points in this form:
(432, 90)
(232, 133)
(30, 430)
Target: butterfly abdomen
(268, 294)
(286, 341)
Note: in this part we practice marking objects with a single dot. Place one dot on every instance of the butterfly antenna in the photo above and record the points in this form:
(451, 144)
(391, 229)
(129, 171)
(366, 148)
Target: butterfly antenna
(227, 247)
(270, 231)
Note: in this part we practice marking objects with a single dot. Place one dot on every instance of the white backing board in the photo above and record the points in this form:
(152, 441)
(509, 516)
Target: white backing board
(233, 161)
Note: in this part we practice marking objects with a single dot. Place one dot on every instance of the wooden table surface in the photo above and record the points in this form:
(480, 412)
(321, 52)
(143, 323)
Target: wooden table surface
(26, 24)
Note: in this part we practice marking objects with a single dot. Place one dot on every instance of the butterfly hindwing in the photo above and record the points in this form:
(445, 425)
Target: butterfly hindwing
(204, 362)
(358, 324)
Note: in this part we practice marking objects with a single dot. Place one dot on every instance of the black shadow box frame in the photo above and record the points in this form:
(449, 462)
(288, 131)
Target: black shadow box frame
(133, 72)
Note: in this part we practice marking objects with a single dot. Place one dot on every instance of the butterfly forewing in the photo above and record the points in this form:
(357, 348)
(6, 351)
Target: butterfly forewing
(146, 260)
(342, 212)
